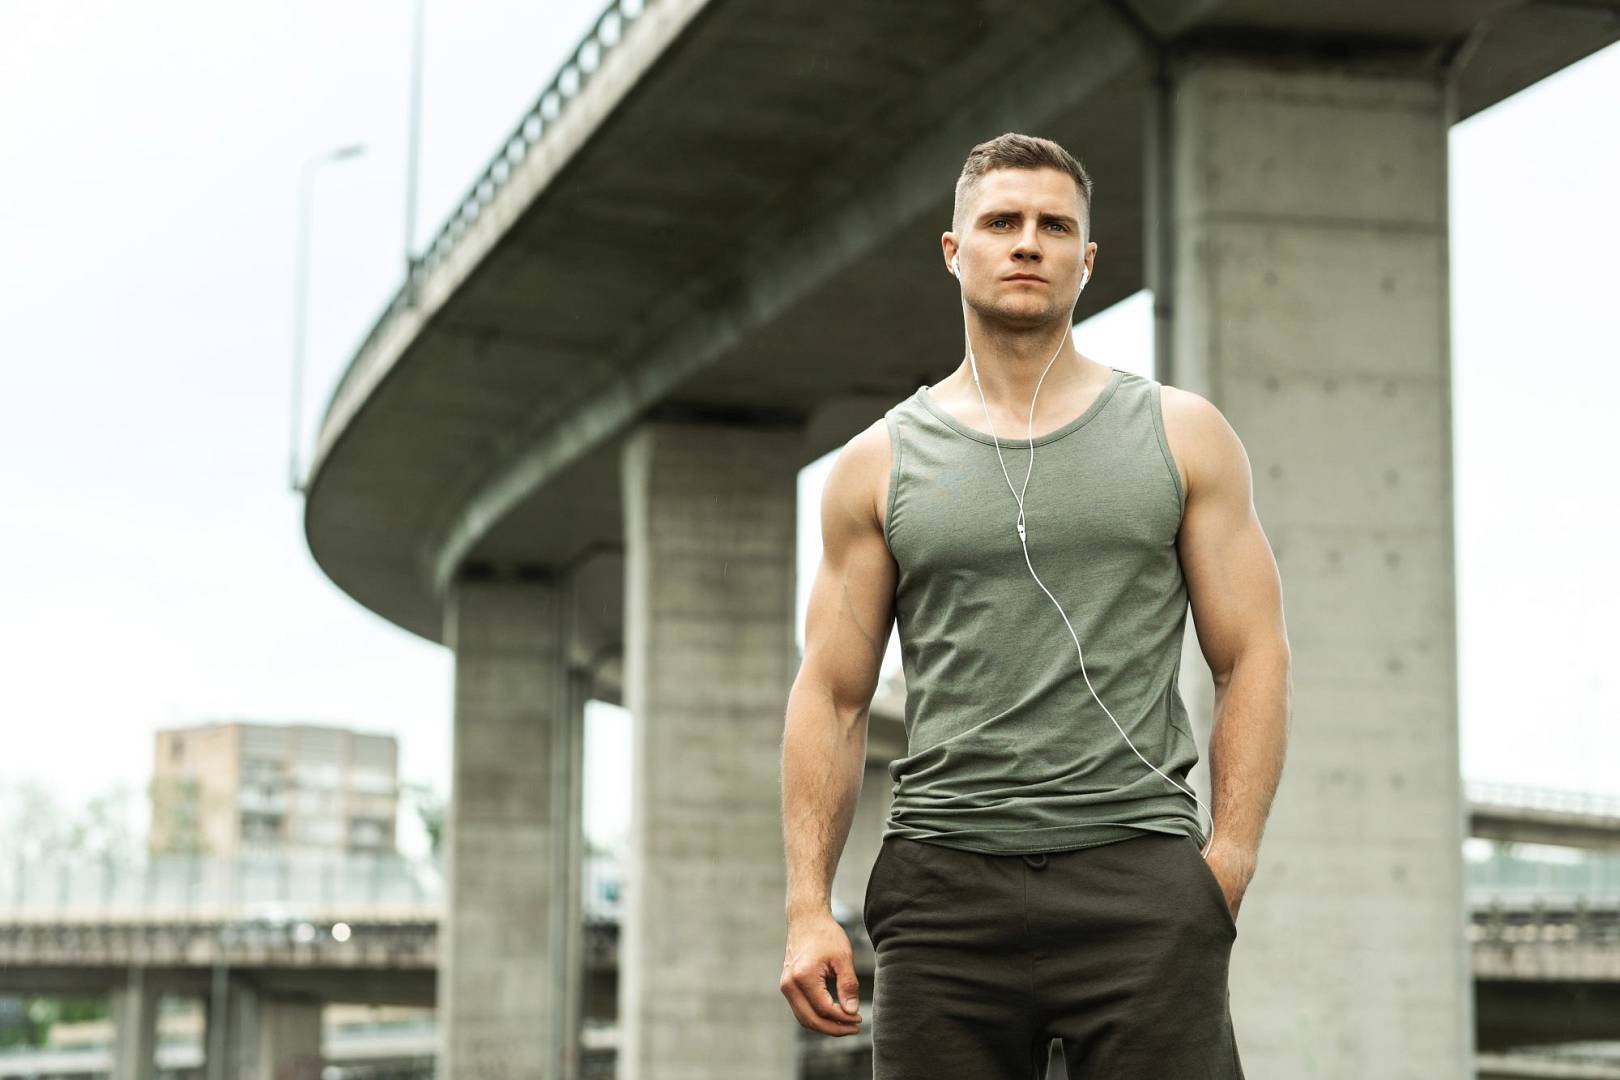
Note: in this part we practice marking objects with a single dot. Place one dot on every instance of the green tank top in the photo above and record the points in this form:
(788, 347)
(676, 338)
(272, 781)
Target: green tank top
(1007, 751)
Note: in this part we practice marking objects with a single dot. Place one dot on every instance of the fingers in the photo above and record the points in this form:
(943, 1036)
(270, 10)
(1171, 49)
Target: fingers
(849, 987)
(805, 985)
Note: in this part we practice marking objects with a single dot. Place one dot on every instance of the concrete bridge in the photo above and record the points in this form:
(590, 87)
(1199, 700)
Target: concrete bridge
(1545, 948)
(568, 450)
(1529, 815)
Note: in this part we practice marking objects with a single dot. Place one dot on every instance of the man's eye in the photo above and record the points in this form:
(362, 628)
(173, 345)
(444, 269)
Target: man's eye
(1059, 224)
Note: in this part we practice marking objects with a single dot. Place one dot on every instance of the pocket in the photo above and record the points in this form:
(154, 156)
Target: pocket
(1212, 884)
(871, 879)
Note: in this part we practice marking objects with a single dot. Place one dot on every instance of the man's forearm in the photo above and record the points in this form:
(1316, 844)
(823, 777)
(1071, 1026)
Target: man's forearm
(1248, 742)
(823, 760)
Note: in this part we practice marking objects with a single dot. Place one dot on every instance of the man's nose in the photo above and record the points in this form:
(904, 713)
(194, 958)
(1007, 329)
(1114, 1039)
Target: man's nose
(1029, 246)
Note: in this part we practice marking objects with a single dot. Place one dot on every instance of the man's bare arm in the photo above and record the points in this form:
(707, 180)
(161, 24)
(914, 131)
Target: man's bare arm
(1236, 596)
(847, 627)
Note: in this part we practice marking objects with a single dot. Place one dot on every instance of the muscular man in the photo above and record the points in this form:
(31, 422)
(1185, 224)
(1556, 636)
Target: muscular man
(1045, 871)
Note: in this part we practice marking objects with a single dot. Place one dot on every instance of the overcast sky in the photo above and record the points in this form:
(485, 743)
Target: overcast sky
(155, 572)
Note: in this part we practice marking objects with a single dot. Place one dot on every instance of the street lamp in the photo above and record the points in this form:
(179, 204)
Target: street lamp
(412, 153)
(301, 293)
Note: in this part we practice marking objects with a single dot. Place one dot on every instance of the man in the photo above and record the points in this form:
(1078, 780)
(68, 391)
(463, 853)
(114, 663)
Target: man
(1040, 873)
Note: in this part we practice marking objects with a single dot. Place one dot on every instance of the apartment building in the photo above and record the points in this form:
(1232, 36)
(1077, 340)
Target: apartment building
(234, 787)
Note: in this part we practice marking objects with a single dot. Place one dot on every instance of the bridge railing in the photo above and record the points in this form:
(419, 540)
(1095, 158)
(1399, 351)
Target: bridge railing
(200, 886)
(1526, 797)
(250, 885)
(1591, 878)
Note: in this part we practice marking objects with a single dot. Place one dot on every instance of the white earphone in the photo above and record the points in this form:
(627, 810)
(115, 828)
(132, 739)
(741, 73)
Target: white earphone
(1018, 496)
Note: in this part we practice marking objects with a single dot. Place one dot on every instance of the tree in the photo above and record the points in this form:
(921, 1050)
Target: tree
(35, 826)
(102, 829)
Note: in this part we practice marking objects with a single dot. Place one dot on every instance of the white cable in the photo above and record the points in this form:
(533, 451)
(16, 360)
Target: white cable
(1023, 541)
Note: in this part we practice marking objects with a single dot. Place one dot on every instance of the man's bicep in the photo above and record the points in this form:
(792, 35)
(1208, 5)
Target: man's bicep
(1232, 580)
(851, 608)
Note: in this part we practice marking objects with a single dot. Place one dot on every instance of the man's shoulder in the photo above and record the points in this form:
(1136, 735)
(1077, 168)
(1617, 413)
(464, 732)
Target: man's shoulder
(1201, 440)
(861, 470)
(868, 449)
(1187, 408)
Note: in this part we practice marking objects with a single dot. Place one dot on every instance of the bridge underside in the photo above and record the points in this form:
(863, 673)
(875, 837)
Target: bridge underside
(1519, 1013)
(745, 225)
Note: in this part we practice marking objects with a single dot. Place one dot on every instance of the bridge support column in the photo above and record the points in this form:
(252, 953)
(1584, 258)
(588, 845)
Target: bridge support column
(710, 656)
(253, 1036)
(1310, 302)
(501, 997)
(134, 1017)
(289, 1039)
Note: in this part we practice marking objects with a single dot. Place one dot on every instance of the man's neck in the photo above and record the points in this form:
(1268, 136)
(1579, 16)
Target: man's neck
(1009, 377)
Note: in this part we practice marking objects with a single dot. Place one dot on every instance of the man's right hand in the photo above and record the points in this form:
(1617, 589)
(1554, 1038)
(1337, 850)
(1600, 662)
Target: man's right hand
(818, 949)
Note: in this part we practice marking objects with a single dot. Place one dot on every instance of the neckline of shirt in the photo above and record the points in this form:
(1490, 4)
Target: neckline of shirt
(1096, 406)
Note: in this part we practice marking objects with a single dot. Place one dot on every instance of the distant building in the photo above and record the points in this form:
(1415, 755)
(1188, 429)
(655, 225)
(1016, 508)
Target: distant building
(241, 788)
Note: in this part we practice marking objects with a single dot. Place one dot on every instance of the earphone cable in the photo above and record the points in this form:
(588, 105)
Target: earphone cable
(1024, 543)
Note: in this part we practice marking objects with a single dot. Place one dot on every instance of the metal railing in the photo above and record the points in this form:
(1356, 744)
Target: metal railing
(209, 886)
(1590, 879)
(1525, 797)
(268, 886)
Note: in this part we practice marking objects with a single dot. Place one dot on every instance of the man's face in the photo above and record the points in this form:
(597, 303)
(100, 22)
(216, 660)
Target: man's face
(1022, 221)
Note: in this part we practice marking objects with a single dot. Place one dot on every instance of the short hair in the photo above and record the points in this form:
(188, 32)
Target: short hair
(1015, 151)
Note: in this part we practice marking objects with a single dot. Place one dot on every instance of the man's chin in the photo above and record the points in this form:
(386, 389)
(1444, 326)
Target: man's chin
(1023, 315)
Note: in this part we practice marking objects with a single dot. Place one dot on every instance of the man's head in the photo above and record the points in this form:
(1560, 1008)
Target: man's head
(1023, 205)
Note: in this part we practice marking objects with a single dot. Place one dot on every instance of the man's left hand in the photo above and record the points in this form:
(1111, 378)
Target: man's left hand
(1233, 868)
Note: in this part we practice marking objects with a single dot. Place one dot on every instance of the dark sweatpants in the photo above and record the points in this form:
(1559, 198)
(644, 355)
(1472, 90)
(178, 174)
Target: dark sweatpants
(1120, 950)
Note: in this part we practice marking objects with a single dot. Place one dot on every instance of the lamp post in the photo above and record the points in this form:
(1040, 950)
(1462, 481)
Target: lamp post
(301, 294)
(412, 153)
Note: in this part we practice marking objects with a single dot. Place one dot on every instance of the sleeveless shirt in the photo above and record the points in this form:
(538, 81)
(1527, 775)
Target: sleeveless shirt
(1007, 751)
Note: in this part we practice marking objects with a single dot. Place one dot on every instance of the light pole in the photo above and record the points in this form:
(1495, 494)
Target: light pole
(411, 154)
(306, 183)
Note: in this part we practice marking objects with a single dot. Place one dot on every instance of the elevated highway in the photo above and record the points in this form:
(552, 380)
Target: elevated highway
(733, 211)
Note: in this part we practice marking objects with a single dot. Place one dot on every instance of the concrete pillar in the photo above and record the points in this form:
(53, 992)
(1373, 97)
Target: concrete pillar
(289, 1042)
(253, 1036)
(502, 990)
(1311, 304)
(710, 656)
(134, 1017)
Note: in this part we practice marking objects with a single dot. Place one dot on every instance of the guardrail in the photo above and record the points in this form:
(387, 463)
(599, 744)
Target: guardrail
(1525, 797)
(1589, 880)
(266, 885)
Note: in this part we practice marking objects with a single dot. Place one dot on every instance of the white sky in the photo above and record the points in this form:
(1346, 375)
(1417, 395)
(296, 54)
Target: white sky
(155, 571)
